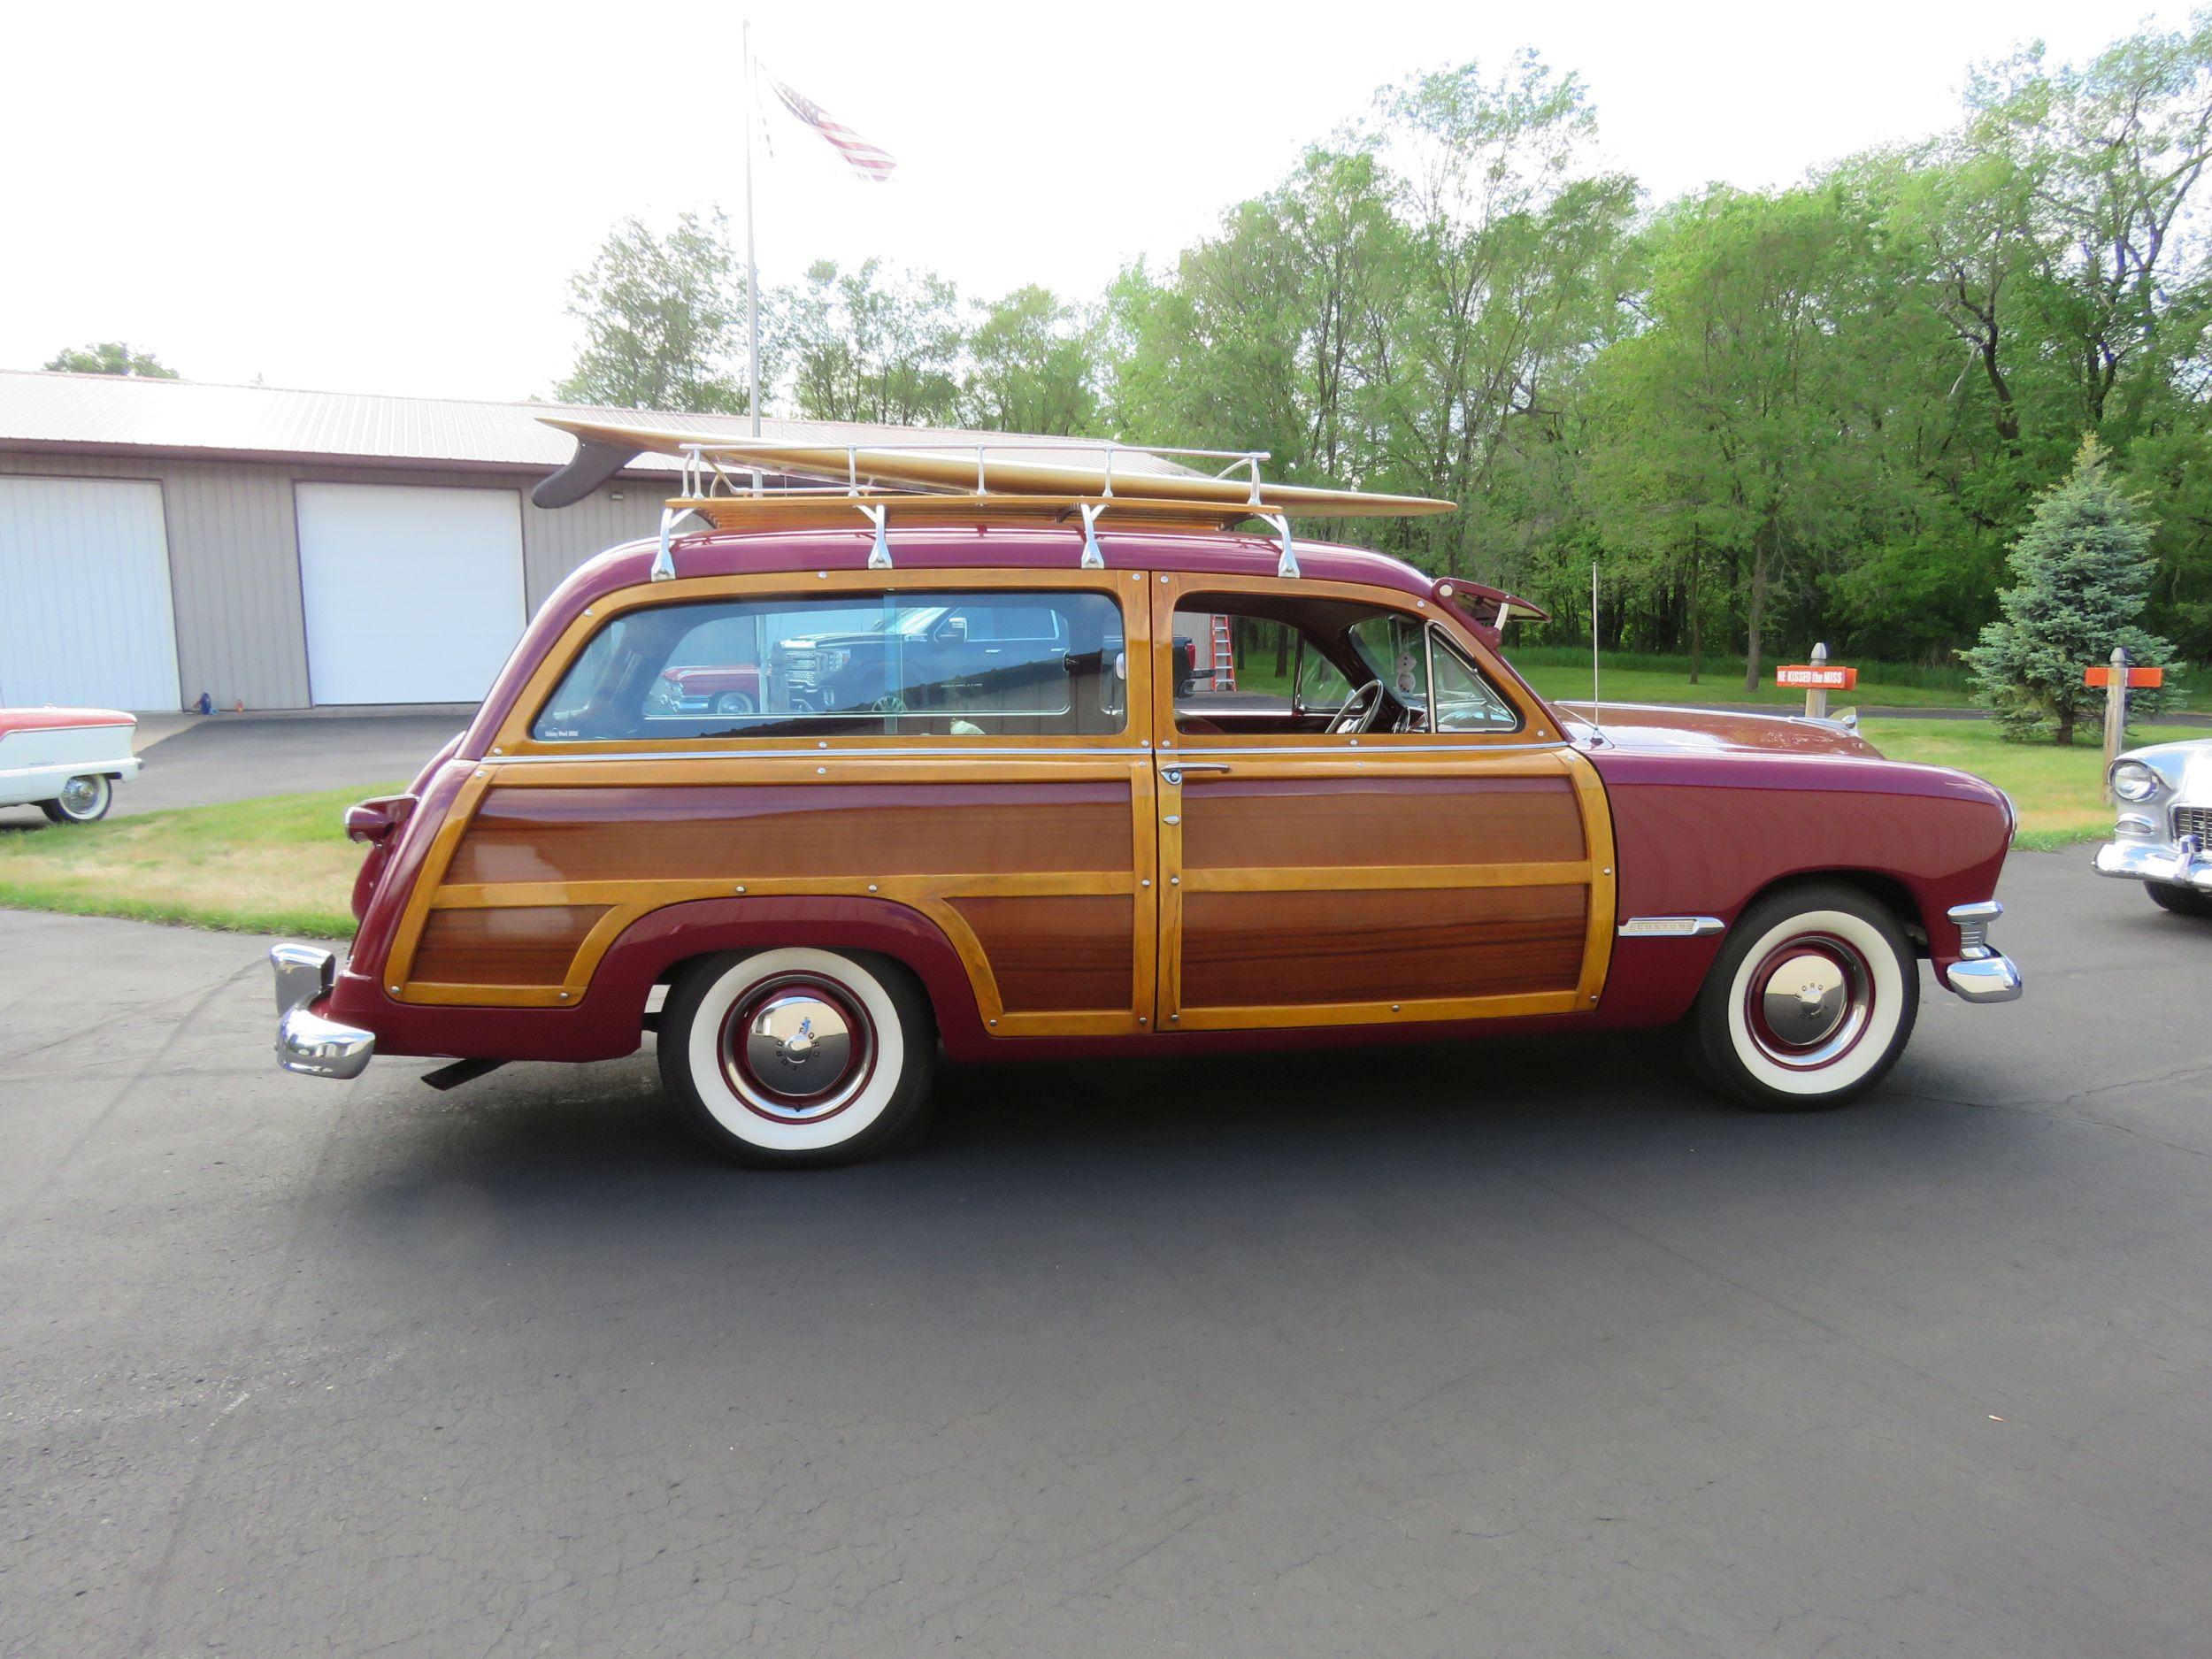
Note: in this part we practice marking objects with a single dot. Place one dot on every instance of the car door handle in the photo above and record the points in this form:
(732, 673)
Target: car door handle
(1174, 774)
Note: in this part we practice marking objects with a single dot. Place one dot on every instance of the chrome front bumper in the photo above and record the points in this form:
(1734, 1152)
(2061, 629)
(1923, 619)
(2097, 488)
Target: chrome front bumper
(2176, 864)
(1981, 974)
(306, 1042)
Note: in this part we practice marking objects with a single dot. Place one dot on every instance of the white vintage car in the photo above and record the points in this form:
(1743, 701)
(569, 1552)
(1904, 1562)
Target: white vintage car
(66, 761)
(2163, 838)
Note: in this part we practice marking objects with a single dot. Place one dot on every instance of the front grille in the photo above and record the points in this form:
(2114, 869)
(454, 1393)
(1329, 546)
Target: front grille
(2193, 820)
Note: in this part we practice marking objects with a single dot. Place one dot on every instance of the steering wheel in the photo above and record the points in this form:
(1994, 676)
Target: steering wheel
(1359, 711)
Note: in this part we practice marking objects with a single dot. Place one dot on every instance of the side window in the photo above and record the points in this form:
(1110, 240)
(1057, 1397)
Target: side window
(1394, 650)
(892, 664)
(1466, 701)
(1297, 664)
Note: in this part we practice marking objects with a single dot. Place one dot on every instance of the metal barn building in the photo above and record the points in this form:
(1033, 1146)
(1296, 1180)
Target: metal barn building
(161, 539)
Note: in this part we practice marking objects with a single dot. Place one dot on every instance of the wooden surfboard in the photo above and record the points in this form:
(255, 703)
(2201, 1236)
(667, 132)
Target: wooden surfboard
(1072, 470)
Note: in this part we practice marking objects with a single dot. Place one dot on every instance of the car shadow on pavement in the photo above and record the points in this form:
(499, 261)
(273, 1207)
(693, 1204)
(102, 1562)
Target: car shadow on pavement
(535, 1156)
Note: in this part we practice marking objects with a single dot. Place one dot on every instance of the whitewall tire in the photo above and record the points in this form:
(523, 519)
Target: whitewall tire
(795, 1057)
(1811, 999)
(83, 800)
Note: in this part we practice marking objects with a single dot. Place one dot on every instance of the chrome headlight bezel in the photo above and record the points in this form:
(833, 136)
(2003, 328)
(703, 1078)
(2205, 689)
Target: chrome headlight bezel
(2135, 782)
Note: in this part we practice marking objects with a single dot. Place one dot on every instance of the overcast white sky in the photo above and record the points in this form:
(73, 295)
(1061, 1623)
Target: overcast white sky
(391, 197)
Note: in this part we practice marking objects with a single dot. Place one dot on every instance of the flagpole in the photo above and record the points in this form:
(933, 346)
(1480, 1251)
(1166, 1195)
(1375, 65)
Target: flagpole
(752, 266)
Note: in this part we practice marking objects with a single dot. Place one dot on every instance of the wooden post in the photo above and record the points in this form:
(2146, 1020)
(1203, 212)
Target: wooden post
(2115, 715)
(1816, 697)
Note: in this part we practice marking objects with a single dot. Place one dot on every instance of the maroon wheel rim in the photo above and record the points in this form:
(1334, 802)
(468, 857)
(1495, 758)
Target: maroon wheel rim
(796, 1048)
(1809, 1002)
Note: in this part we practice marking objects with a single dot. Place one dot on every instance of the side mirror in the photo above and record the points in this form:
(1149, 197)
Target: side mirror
(956, 629)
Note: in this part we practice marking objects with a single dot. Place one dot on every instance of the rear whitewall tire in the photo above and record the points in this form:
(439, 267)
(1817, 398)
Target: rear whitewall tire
(872, 1097)
(83, 800)
(1830, 936)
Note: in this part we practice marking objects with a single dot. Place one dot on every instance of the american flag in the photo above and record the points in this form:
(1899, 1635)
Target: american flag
(863, 157)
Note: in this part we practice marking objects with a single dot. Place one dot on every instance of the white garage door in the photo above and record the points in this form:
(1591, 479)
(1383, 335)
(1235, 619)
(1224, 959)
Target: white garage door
(413, 594)
(85, 617)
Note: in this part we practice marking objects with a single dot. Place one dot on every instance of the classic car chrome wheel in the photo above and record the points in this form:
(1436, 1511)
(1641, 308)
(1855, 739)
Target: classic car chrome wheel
(1811, 999)
(797, 1057)
(83, 800)
(733, 703)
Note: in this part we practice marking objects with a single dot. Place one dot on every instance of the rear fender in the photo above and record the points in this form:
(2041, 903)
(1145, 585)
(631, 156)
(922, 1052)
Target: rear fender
(608, 1021)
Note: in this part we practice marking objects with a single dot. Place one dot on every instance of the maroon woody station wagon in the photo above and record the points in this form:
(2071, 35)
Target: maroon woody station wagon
(979, 800)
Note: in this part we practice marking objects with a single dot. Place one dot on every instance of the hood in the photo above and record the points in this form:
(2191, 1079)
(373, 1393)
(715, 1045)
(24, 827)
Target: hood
(1654, 728)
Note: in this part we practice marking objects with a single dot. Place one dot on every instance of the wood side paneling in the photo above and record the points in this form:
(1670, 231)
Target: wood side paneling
(1055, 954)
(522, 945)
(1255, 948)
(765, 831)
(1258, 823)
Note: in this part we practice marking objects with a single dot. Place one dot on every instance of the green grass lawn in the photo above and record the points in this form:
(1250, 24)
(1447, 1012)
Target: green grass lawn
(279, 864)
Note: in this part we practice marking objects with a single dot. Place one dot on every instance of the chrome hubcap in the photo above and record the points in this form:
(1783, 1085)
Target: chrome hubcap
(797, 1049)
(800, 1042)
(1805, 999)
(80, 795)
(1807, 1004)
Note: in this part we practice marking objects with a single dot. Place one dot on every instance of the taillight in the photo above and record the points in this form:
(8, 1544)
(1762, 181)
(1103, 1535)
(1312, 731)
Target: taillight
(375, 821)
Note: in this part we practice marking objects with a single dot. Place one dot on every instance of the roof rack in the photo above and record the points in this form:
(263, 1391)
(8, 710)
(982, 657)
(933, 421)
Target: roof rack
(764, 483)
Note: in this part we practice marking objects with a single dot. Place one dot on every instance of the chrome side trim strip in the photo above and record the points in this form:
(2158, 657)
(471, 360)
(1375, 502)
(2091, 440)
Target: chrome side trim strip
(1670, 926)
(1025, 756)
(823, 753)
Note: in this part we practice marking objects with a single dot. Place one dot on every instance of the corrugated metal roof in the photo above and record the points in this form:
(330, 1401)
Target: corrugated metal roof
(120, 411)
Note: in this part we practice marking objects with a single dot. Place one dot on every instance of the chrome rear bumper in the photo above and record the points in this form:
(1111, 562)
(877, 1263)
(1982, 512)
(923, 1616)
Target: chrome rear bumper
(1981, 974)
(306, 1042)
(2177, 865)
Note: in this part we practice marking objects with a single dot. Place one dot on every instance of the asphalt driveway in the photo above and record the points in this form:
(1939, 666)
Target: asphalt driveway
(1520, 1350)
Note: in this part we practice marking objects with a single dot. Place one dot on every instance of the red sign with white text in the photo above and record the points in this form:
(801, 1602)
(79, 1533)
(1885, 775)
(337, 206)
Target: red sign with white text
(1805, 677)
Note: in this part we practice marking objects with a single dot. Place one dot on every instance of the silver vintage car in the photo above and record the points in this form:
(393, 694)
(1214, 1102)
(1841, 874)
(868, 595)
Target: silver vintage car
(2163, 838)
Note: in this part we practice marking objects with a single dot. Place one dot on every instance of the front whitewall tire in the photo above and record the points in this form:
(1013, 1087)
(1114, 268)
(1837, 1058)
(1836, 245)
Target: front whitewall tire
(1813, 998)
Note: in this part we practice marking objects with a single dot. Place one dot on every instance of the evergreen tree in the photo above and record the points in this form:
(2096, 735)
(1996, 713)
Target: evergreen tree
(2080, 571)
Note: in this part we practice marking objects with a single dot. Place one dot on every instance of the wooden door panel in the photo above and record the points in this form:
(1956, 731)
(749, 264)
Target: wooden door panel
(1300, 819)
(1310, 949)
(1408, 877)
